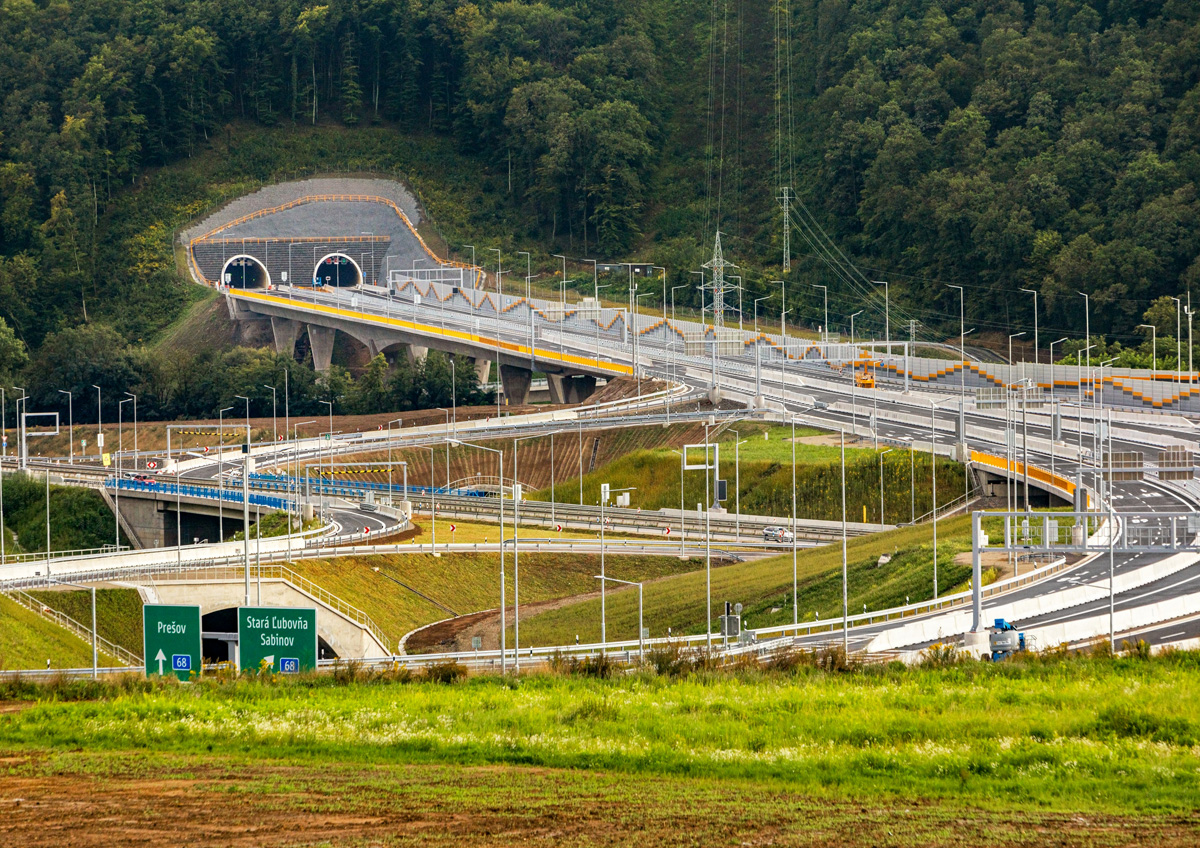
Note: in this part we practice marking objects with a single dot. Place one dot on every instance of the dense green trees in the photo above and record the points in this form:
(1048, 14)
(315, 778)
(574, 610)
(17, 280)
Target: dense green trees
(995, 144)
(196, 386)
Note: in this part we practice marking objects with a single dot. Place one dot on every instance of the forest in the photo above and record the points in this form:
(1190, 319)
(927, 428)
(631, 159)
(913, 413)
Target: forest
(1005, 147)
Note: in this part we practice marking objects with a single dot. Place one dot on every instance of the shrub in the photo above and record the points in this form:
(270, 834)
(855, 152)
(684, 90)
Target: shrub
(445, 672)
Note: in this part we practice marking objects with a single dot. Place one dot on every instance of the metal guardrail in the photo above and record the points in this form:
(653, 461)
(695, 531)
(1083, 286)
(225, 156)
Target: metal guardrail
(63, 620)
(17, 559)
(297, 581)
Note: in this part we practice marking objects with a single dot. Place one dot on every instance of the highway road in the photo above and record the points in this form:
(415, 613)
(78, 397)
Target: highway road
(819, 392)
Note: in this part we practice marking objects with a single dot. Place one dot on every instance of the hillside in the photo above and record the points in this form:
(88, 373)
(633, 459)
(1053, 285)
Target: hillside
(1010, 146)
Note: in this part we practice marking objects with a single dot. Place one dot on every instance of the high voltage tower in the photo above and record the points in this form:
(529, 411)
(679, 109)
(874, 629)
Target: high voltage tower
(718, 265)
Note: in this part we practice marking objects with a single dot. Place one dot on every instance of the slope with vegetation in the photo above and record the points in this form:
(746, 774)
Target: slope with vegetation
(996, 145)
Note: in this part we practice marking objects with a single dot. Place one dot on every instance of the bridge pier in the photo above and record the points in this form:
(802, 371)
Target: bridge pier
(320, 339)
(285, 331)
(483, 368)
(515, 381)
(417, 353)
(570, 389)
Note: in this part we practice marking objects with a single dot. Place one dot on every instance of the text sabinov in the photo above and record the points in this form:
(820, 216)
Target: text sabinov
(273, 623)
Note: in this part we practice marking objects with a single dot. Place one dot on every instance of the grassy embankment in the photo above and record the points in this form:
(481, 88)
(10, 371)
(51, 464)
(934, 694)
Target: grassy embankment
(464, 583)
(764, 588)
(27, 640)
(118, 613)
(766, 478)
(1099, 748)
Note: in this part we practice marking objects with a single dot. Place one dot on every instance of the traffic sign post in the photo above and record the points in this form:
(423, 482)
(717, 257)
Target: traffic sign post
(281, 638)
(171, 640)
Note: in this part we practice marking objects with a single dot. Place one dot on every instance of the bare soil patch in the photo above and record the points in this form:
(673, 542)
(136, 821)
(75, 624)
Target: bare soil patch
(86, 800)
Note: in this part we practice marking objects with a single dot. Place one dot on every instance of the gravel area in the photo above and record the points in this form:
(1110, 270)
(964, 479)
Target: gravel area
(324, 219)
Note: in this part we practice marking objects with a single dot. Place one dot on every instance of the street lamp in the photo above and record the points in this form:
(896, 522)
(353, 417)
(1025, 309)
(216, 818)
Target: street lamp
(881, 453)
(99, 426)
(825, 291)
(1010, 358)
(95, 634)
(673, 288)
(274, 426)
(1035, 322)
(605, 491)
(756, 300)
(783, 308)
(220, 473)
(641, 628)
(120, 453)
(503, 614)
(887, 313)
(135, 440)
(71, 420)
(1153, 347)
(933, 405)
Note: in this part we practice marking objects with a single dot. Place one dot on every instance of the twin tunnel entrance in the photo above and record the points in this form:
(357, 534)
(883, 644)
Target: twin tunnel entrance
(333, 270)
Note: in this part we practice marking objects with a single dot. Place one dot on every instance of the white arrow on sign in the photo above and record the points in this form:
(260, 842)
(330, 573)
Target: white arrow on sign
(269, 660)
(160, 659)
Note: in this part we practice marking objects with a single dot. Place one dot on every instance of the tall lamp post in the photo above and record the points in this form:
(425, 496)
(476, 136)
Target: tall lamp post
(641, 627)
(135, 439)
(503, 599)
(274, 425)
(756, 301)
(71, 421)
(1153, 346)
(887, 313)
(221, 473)
(881, 453)
(825, 291)
(605, 491)
(1035, 322)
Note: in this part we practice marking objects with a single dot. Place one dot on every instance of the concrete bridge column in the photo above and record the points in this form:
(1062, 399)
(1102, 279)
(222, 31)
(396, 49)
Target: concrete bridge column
(285, 331)
(320, 339)
(566, 389)
(417, 353)
(483, 368)
(515, 381)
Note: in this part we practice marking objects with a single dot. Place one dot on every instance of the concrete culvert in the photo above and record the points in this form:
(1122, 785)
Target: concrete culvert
(244, 272)
(337, 270)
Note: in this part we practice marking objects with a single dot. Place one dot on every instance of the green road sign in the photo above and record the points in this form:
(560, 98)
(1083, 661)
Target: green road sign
(284, 638)
(171, 639)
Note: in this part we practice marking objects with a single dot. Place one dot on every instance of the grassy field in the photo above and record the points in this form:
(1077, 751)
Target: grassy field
(1061, 750)
(764, 588)
(463, 583)
(766, 479)
(27, 640)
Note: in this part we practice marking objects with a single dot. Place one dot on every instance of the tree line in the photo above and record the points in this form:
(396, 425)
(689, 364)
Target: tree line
(998, 146)
(88, 370)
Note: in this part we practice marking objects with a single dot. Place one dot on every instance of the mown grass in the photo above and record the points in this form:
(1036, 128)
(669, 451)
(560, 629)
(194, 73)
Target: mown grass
(766, 481)
(464, 583)
(764, 588)
(118, 613)
(1060, 733)
(27, 640)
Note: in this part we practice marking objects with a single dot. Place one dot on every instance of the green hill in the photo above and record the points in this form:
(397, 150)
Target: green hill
(1053, 146)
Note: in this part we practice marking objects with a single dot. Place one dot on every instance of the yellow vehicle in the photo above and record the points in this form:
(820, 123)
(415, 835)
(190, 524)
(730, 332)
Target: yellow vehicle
(864, 379)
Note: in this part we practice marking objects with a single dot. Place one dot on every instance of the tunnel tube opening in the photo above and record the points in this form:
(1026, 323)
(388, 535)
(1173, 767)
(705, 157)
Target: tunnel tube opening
(244, 272)
(337, 270)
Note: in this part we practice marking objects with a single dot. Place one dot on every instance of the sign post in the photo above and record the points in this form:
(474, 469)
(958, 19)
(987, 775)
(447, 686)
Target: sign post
(171, 640)
(281, 638)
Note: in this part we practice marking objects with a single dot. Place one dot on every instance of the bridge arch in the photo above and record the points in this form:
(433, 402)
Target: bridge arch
(338, 270)
(245, 272)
